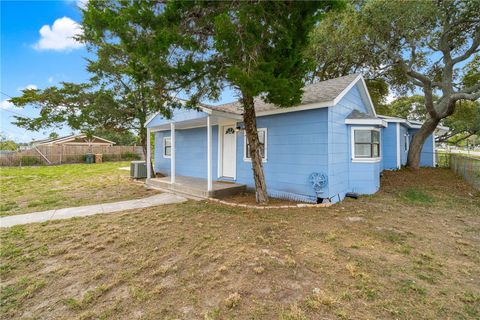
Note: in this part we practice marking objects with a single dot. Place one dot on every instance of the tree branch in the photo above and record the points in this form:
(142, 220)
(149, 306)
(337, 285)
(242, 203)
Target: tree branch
(473, 48)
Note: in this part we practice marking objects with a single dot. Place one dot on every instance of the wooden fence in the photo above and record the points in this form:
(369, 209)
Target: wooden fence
(58, 154)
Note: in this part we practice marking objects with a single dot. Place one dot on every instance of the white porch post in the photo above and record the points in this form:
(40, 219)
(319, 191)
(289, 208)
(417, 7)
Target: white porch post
(209, 154)
(148, 160)
(172, 153)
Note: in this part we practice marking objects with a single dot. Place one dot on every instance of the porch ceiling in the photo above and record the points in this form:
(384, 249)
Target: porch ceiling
(192, 123)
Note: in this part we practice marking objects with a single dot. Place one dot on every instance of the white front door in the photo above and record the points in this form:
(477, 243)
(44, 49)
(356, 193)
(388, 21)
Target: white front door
(228, 152)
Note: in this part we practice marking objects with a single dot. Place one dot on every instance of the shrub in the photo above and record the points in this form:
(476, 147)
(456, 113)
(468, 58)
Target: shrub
(30, 161)
(130, 156)
(111, 157)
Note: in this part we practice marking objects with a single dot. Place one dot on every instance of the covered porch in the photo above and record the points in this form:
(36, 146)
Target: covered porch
(201, 178)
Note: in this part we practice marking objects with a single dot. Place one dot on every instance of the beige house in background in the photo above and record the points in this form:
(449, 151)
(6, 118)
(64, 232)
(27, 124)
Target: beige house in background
(74, 140)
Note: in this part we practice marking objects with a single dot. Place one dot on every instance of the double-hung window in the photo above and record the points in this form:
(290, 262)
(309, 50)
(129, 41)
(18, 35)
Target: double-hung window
(167, 147)
(366, 144)
(262, 137)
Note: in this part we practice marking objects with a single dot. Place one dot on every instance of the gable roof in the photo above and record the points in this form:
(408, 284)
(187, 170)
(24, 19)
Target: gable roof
(68, 139)
(321, 94)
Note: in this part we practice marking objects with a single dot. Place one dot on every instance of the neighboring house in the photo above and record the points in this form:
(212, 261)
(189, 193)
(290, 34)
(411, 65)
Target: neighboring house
(74, 140)
(335, 131)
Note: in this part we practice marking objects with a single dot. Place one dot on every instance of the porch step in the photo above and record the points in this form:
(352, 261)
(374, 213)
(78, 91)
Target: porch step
(196, 187)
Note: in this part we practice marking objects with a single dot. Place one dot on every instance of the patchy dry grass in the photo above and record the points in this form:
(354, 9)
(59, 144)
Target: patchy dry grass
(30, 189)
(379, 257)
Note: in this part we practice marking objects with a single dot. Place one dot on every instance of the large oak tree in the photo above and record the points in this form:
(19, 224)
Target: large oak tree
(417, 46)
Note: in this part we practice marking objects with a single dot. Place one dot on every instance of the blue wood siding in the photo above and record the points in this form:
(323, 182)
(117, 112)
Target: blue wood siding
(389, 147)
(298, 143)
(297, 146)
(191, 152)
(364, 177)
(340, 167)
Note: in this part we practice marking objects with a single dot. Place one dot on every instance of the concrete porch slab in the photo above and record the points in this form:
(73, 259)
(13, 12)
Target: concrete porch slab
(196, 187)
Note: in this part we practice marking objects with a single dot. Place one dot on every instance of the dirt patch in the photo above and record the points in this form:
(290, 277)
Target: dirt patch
(378, 257)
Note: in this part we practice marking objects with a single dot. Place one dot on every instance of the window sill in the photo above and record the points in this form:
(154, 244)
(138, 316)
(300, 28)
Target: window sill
(366, 160)
(167, 157)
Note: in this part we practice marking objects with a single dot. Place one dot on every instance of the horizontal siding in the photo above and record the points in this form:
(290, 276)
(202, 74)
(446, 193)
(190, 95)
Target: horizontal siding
(297, 146)
(191, 152)
(339, 153)
(389, 147)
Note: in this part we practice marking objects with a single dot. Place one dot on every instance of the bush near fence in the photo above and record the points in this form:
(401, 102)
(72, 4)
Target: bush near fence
(69, 154)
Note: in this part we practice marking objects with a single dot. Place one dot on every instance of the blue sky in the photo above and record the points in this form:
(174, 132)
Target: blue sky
(31, 59)
(37, 51)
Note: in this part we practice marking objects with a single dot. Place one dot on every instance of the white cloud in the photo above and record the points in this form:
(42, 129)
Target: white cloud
(6, 104)
(30, 86)
(59, 36)
(50, 79)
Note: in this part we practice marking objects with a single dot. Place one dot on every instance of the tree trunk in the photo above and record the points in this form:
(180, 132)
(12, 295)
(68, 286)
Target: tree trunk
(428, 127)
(250, 121)
(143, 143)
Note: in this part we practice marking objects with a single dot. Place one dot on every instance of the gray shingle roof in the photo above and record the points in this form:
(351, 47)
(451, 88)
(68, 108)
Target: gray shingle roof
(323, 91)
(355, 114)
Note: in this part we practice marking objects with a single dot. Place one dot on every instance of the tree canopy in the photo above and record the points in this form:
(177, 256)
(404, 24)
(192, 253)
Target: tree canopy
(417, 46)
(256, 49)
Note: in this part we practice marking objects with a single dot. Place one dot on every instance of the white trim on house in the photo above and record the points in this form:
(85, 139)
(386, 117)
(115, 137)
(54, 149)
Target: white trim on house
(433, 151)
(172, 154)
(207, 111)
(363, 93)
(373, 122)
(265, 159)
(352, 143)
(149, 156)
(209, 155)
(304, 107)
(399, 163)
(220, 150)
(163, 147)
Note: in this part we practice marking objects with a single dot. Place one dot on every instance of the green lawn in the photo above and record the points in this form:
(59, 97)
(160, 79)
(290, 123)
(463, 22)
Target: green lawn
(30, 189)
(411, 251)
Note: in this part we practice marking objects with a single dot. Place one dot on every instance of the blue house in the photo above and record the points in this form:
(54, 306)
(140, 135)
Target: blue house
(334, 133)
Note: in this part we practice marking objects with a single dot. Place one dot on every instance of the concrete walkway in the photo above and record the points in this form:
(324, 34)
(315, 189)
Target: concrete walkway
(66, 213)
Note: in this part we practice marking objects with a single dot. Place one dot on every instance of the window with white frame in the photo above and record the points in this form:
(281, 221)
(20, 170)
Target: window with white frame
(262, 137)
(406, 144)
(366, 143)
(167, 147)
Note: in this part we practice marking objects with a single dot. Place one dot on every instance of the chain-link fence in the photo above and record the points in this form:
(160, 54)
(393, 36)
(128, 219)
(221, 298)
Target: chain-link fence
(464, 165)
